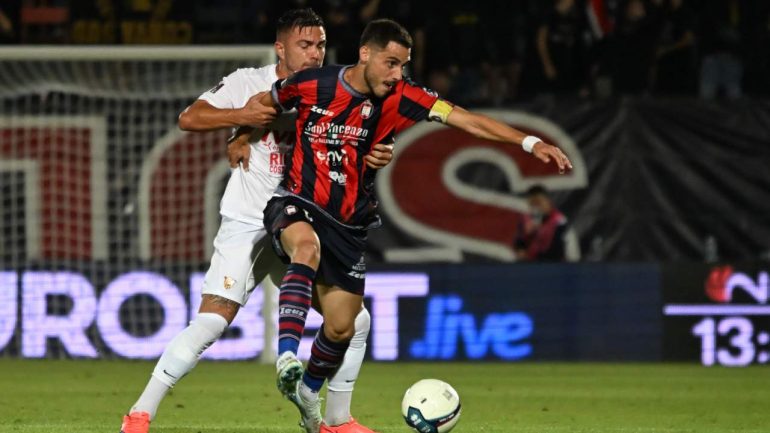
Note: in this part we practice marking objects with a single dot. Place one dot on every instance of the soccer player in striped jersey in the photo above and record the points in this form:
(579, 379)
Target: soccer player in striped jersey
(237, 264)
(325, 204)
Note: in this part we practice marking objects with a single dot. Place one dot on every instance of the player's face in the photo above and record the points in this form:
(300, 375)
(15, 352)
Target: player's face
(302, 48)
(539, 205)
(384, 67)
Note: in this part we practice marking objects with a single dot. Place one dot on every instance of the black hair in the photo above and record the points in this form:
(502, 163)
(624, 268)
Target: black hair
(381, 32)
(536, 190)
(298, 18)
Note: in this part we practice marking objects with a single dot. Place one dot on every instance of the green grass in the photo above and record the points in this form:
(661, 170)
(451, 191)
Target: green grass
(91, 396)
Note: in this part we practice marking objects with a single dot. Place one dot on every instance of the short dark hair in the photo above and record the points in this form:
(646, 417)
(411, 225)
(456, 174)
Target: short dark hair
(536, 190)
(298, 18)
(382, 32)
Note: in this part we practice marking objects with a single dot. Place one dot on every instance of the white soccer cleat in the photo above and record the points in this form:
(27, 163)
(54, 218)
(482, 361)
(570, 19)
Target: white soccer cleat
(309, 410)
(289, 372)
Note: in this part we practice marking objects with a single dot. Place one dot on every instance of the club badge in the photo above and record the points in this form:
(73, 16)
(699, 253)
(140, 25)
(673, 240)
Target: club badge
(366, 109)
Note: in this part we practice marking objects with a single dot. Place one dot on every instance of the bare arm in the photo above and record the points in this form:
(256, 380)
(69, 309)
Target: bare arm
(238, 150)
(202, 116)
(262, 99)
(485, 127)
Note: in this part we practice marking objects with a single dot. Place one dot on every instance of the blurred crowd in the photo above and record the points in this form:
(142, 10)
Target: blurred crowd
(487, 52)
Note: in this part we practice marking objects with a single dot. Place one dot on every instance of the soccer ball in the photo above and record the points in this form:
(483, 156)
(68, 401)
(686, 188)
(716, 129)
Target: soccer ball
(431, 406)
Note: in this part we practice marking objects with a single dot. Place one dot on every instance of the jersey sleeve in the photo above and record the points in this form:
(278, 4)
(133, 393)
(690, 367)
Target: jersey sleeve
(228, 94)
(290, 91)
(420, 103)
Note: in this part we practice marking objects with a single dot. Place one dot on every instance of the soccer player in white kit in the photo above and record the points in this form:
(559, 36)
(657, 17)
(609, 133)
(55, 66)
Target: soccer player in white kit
(242, 254)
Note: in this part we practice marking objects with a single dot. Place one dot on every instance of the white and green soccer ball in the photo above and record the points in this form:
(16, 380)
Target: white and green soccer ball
(431, 406)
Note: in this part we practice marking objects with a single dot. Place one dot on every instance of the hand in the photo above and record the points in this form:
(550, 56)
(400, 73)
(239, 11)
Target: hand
(256, 114)
(380, 156)
(545, 152)
(530, 226)
(238, 148)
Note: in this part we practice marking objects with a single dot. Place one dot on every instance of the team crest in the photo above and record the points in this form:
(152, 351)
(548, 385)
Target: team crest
(366, 109)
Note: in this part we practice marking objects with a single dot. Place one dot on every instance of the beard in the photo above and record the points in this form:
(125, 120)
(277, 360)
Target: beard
(376, 86)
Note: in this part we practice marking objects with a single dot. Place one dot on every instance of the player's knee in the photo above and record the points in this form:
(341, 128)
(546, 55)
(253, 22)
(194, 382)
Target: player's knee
(208, 327)
(339, 331)
(307, 252)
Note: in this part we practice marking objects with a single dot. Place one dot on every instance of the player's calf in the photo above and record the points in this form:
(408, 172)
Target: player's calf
(294, 298)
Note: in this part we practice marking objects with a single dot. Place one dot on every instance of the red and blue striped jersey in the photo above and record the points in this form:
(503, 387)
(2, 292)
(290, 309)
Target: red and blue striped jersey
(336, 128)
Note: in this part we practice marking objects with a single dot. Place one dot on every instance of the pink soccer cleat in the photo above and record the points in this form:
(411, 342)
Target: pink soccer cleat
(351, 426)
(136, 422)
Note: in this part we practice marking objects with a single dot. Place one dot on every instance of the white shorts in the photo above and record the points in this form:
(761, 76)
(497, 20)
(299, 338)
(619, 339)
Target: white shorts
(242, 258)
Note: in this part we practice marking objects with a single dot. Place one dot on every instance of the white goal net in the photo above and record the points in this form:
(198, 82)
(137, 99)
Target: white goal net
(107, 210)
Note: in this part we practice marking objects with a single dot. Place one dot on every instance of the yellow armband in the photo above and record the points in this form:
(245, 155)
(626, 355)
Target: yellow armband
(440, 111)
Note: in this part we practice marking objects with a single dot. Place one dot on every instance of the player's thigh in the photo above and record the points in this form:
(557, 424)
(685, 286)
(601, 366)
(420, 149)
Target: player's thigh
(290, 225)
(219, 305)
(340, 308)
(230, 273)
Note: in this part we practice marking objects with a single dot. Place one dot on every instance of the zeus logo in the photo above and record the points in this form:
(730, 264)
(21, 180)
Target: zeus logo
(319, 110)
(722, 282)
(292, 311)
(484, 221)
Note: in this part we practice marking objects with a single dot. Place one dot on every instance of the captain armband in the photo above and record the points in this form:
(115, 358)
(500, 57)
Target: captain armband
(440, 111)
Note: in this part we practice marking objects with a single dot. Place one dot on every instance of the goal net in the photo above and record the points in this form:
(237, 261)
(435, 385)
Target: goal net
(107, 209)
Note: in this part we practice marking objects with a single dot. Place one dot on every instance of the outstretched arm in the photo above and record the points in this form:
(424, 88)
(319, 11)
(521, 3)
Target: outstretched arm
(202, 116)
(238, 150)
(485, 127)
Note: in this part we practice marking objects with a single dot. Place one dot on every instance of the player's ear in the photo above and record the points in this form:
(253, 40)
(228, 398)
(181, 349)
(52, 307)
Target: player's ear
(279, 51)
(363, 54)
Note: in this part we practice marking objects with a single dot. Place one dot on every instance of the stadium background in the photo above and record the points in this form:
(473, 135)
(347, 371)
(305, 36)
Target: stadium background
(107, 211)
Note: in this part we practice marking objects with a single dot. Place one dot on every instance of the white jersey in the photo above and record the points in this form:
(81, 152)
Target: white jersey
(247, 192)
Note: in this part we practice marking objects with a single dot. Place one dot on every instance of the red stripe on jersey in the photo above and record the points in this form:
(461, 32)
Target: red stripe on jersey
(322, 188)
(350, 168)
(390, 117)
(309, 91)
(417, 97)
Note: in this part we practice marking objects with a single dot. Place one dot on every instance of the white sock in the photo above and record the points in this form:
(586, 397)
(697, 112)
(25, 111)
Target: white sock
(340, 388)
(150, 399)
(180, 356)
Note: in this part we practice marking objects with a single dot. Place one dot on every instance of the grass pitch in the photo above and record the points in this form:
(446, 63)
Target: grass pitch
(91, 396)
